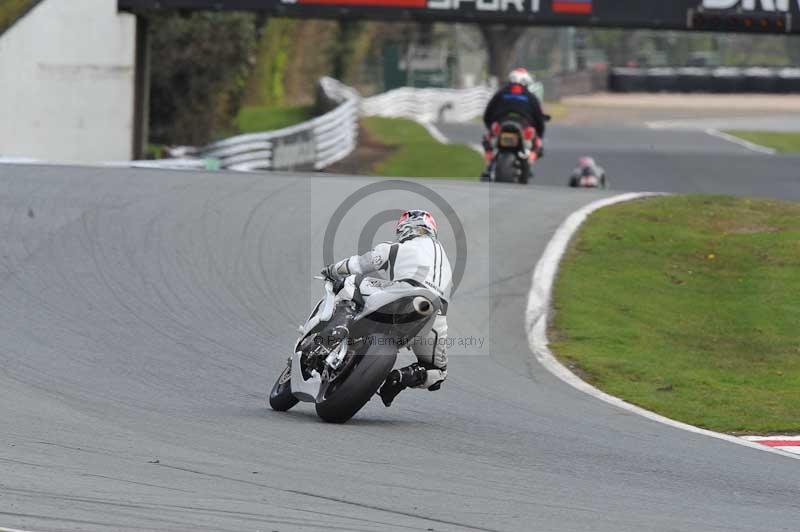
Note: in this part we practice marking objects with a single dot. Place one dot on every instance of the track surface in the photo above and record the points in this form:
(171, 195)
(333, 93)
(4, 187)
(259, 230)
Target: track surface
(658, 160)
(143, 314)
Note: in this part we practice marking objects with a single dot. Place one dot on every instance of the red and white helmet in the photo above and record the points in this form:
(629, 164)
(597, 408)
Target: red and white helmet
(586, 162)
(415, 223)
(521, 76)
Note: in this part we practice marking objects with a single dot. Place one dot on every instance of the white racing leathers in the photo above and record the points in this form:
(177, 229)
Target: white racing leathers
(418, 260)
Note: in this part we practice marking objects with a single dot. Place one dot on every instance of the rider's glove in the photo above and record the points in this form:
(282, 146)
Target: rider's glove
(329, 272)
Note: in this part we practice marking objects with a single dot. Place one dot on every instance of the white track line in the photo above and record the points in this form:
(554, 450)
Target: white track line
(12, 530)
(437, 134)
(433, 131)
(477, 148)
(741, 142)
(682, 125)
(537, 313)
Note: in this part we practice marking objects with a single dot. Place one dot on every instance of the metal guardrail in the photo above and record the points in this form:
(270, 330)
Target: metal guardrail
(429, 105)
(697, 79)
(434, 105)
(316, 143)
(328, 138)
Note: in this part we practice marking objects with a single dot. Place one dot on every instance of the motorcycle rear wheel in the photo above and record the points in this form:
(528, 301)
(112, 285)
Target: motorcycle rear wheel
(368, 372)
(505, 168)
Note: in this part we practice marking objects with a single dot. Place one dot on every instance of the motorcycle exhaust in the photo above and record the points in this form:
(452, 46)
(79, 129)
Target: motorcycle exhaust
(422, 306)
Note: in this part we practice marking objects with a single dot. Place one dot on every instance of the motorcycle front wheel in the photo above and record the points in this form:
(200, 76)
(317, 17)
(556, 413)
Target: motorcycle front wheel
(369, 369)
(281, 398)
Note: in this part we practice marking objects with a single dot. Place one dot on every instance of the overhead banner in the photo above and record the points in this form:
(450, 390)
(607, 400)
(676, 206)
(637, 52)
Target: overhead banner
(656, 14)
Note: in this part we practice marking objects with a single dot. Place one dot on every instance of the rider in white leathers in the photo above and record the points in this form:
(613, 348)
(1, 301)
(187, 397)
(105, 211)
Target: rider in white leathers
(417, 258)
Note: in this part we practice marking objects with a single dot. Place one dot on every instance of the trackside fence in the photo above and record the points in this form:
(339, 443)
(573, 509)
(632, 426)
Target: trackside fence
(330, 137)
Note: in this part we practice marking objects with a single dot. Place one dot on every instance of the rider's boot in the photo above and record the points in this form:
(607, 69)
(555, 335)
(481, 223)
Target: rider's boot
(400, 379)
(487, 171)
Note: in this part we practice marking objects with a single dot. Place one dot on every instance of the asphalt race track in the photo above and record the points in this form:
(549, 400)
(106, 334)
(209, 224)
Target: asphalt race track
(658, 160)
(144, 314)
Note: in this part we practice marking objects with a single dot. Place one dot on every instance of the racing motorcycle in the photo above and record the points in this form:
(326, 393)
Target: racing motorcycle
(515, 148)
(347, 349)
(587, 179)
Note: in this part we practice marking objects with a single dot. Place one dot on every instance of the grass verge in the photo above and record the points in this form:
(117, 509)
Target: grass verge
(782, 142)
(10, 10)
(255, 119)
(414, 153)
(688, 306)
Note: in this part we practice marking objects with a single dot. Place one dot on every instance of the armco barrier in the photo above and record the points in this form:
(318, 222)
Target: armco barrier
(324, 140)
(760, 80)
(662, 79)
(628, 80)
(314, 144)
(429, 105)
(788, 80)
(727, 80)
(332, 136)
(695, 79)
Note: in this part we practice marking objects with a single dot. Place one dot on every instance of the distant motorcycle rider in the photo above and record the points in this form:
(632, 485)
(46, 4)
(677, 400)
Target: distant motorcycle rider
(588, 167)
(515, 98)
(417, 258)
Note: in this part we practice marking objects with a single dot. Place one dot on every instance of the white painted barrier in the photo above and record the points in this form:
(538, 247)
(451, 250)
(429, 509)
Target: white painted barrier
(329, 138)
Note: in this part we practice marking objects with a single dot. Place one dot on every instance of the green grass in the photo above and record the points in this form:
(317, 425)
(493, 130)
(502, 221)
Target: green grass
(253, 119)
(690, 307)
(783, 142)
(417, 154)
(10, 10)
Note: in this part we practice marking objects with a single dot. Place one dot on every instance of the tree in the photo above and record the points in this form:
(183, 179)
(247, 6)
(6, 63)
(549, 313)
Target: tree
(501, 44)
(199, 65)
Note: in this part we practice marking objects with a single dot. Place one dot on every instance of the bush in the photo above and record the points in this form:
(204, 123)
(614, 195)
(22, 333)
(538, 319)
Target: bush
(199, 66)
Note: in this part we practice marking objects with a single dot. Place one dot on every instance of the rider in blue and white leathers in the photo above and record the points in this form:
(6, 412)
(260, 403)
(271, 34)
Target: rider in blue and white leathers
(417, 258)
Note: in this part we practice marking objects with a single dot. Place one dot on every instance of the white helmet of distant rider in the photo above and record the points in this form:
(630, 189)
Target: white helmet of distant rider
(522, 77)
(415, 223)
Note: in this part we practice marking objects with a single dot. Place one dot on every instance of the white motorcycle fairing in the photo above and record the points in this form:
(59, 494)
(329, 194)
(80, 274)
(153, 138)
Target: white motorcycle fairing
(311, 390)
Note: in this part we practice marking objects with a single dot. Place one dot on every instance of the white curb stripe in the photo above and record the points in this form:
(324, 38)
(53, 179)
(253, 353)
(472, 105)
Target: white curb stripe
(752, 146)
(437, 134)
(433, 131)
(537, 312)
(772, 438)
(477, 148)
(790, 444)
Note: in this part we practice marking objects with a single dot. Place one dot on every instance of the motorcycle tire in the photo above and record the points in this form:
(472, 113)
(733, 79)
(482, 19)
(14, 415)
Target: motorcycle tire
(525, 173)
(506, 168)
(281, 398)
(366, 376)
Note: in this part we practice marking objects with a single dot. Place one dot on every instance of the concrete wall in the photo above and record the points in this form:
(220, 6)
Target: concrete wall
(67, 83)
